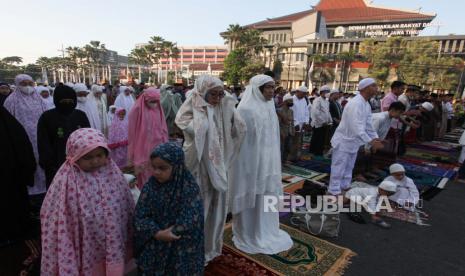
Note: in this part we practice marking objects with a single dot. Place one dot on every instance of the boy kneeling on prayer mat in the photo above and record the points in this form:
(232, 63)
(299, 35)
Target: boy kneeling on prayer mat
(371, 198)
(407, 195)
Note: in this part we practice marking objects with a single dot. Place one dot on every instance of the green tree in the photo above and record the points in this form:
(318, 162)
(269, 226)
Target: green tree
(12, 60)
(243, 61)
(233, 63)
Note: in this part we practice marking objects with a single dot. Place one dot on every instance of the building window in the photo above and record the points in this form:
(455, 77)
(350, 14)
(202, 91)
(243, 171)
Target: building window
(269, 37)
(285, 37)
(281, 37)
(197, 56)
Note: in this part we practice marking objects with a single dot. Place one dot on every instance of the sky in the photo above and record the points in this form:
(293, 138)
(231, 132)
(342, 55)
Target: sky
(32, 28)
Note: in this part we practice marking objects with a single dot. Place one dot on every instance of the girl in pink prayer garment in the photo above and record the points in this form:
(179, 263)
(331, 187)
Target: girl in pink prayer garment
(118, 138)
(87, 213)
(147, 130)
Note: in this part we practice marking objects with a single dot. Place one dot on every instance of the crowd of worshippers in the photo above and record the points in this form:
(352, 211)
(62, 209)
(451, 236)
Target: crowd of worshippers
(194, 158)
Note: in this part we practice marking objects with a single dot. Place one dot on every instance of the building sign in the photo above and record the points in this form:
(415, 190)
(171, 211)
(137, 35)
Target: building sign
(400, 29)
(339, 31)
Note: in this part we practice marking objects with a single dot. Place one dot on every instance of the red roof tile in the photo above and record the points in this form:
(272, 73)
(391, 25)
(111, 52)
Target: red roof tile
(353, 11)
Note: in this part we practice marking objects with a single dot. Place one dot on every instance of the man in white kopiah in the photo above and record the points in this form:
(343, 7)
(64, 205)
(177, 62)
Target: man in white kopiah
(125, 98)
(301, 120)
(256, 173)
(321, 121)
(407, 194)
(100, 101)
(354, 131)
(87, 105)
(370, 199)
(213, 132)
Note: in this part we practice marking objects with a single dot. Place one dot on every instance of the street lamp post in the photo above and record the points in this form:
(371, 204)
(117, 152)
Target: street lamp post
(308, 54)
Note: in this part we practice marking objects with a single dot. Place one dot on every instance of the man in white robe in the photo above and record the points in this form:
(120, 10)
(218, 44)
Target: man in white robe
(407, 194)
(354, 131)
(125, 99)
(321, 121)
(87, 104)
(256, 174)
(301, 121)
(213, 132)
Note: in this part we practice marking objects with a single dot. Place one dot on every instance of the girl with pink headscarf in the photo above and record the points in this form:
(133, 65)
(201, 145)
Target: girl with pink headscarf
(87, 213)
(147, 129)
(118, 138)
(27, 106)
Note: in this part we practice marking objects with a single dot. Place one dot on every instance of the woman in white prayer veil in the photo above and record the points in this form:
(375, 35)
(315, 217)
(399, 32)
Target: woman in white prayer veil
(256, 173)
(213, 132)
(87, 104)
(46, 96)
(125, 99)
(101, 102)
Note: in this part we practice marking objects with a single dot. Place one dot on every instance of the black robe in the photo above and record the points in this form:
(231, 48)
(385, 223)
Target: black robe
(54, 128)
(17, 167)
(53, 131)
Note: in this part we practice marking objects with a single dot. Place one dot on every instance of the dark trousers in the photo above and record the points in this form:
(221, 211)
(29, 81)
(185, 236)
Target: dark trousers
(449, 125)
(462, 171)
(285, 147)
(318, 140)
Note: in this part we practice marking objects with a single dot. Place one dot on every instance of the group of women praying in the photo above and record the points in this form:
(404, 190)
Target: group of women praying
(73, 150)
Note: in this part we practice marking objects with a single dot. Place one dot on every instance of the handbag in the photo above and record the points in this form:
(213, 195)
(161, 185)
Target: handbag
(324, 224)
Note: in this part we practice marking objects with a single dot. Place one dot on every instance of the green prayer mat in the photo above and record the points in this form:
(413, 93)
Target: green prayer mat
(308, 256)
(299, 171)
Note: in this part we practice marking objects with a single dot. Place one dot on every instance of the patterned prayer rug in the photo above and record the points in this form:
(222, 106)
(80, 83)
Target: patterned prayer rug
(309, 255)
(299, 171)
(289, 179)
(417, 217)
(432, 170)
(422, 162)
(21, 258)
(438, 146)
(314, 165)
(231, 263)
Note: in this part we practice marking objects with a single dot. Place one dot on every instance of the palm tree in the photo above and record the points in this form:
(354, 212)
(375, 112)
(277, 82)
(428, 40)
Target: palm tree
(159, 48)
(139, 57)
(233, 35)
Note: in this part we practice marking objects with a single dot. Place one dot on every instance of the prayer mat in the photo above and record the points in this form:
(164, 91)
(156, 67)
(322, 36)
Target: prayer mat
(309, 255)
(438, 146)
(432, 170)
(21, 258)
(432, 157)
(314, 166)
(417, 217)
(422, 162)
(289, 179)
(420, 152)
(299, 171)
(294, 187)
(231, 263)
